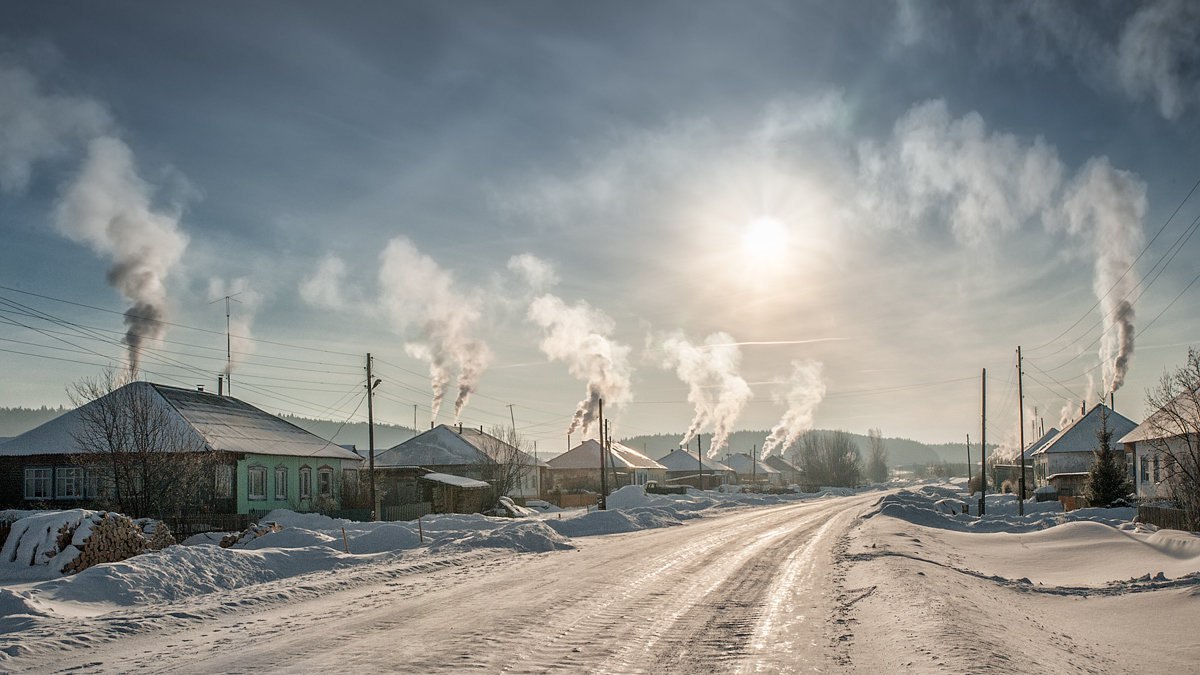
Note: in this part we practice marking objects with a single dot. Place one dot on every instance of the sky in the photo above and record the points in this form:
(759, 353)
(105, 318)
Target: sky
(713, 216)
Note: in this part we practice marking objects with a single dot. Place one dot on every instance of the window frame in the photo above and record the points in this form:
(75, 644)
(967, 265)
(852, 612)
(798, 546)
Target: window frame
(281, 483)
(39, 475)
(306, 482)
(69, 482)
(254, 472)
(325, 481)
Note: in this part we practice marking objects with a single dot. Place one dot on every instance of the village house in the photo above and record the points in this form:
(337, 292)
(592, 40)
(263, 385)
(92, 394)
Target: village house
(1172, 428)
(465, 452)
(1006, 477)
(579, 468)
(685, 468)
(260, 462)
(1064, 461)
(753, 472)
(788, 472)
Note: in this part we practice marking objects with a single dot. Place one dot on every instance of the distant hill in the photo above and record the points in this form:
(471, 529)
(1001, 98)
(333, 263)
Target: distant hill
(16, 421)
(901, 451)
(354, 433)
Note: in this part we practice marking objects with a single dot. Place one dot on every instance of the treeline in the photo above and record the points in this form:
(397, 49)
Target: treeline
(16, 421)
(353, 433)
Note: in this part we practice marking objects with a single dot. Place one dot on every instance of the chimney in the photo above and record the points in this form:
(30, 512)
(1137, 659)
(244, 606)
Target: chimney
(200, 388)
(460, 428)
(1083, 407)
(220, 385)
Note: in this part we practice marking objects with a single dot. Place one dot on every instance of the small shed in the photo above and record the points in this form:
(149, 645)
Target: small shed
(454, 494)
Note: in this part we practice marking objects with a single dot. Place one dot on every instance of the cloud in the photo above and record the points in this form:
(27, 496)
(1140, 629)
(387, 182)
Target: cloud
(1158, 55)
(327, 287)
(539, 275)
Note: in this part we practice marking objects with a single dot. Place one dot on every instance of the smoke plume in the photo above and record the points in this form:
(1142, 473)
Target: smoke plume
(416, 291)
(108, 207)
(716, 390)
(579, 336)
(1106, 206)
(805, 390)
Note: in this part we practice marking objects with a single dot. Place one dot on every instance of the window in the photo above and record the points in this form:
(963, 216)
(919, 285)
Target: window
(68, 482)
(224, 481)
(281, 482)
(325, 482)
(99, 482)
(1145, 468)
(37, 483)
(257, 482)
(305, 482)
(1157, 469)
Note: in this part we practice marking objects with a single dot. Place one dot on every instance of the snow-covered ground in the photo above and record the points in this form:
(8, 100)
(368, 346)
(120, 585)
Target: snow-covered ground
(891, 581)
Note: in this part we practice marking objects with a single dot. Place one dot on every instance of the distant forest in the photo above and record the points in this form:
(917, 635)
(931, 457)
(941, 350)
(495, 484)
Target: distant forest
(901, 451)
(16, 421)
(353, 433)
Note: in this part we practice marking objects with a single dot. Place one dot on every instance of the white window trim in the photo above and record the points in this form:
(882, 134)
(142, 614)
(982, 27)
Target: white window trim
(306, 482)
(73, 475)
(250, 495)
(281, 486)
(39, 474)
(321, 473)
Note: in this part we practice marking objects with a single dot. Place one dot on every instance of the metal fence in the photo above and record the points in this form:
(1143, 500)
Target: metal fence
(407, 511)
(183, 527)
(1172, 519)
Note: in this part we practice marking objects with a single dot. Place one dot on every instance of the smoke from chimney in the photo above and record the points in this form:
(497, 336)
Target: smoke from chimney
(805, 390)
(417, 291)
(108, 207)
(716, 390)
(579, 336)
(1108, 205)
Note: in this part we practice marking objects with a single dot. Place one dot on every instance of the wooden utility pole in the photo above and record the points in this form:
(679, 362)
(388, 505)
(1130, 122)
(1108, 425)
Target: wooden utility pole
(371, 384)
(603, 468)
(968, 463)
(983, 447)
(700, 460)
(1021, 451)
(754, 465)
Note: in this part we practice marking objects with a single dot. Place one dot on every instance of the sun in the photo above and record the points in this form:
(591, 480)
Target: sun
(764, 239)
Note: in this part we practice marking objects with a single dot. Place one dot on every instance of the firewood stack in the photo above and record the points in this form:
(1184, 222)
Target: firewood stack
(112, 537)
(253, 532)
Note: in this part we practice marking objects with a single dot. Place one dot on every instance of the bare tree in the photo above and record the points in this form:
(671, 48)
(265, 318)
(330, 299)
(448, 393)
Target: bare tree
(508, 467)
(830, 458)
(877, 467)
(142, 459)
(1174, 428)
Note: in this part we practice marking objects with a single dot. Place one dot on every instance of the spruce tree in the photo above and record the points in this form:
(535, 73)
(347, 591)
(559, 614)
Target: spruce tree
(1108, 480)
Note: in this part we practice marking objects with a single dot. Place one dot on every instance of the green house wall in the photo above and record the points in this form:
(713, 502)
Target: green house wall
(293, 466)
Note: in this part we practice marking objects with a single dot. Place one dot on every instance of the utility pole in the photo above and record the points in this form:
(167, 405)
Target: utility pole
(414, 418)
(603, 468)
(700, 458)
(968, 462)
(1021, 451)
(983, 448)
(371, 384)
(754, 465)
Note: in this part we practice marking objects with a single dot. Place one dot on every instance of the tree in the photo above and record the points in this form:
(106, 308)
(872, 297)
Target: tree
(830, 458)
(141, 459)
(508, 467)
(1108, 479)
(877, 468)
(1174, 433)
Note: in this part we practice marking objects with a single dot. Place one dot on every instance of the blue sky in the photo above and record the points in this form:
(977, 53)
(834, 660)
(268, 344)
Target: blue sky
(886, 197)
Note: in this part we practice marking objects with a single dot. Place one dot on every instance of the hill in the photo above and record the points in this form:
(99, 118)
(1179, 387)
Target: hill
(353, 433)
(901, 451)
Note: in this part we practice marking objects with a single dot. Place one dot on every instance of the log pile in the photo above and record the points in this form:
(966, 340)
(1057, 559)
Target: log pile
(105, 536)
(253, 532)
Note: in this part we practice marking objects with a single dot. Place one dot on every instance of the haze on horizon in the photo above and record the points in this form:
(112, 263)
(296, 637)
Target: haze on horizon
(713, 216)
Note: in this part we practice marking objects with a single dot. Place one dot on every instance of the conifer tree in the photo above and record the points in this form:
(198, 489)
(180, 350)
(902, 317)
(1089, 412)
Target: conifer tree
(1108, 480)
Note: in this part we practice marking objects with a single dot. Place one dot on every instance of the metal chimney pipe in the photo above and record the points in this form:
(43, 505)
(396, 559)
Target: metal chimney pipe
(220, 385)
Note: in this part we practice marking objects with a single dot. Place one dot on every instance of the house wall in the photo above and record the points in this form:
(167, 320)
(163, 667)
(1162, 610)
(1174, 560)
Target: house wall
(1150, 468)
(293, 465)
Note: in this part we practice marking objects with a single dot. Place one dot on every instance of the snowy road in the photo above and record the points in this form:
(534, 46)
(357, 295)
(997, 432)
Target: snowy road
(749, 591)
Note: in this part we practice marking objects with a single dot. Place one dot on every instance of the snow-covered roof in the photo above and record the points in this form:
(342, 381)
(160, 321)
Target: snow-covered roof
(456, 481)
(682, 460)
(1080, 435)
(742, 464)
(777, 462)
(586, 455)
(1039, 443)
(447, 446)
(1163, 424)
(223, 423)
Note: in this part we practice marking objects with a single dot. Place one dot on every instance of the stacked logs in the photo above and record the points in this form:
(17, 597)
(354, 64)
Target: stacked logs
(253, 532)
(112, 537)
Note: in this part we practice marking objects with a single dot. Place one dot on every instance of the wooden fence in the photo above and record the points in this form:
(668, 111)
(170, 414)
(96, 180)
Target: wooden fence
(407, 511)
(183, 527)
(1171, 519)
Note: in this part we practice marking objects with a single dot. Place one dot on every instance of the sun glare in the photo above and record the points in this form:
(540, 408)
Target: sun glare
(764, 238)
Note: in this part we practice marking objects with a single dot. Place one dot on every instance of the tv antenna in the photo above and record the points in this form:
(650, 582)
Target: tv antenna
(228, 341)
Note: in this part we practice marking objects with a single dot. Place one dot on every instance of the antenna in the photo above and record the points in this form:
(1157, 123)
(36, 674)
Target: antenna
(228, 341)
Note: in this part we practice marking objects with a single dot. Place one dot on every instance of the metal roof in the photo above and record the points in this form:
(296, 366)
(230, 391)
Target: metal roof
(1184, 411)
(586, 455)
(222, 423)
(682, 460)
(1080, 435)
(446, 446)
(456, 481)
(742, 464)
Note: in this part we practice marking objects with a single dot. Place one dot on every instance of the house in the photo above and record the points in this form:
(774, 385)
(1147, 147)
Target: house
(1064, 461)
(1175, 429)
(579, 467)
(787, 471)
(261, 462)
(454, 494)
(1007, 478)
(752, 472)
(469, 453)
(685, 468)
